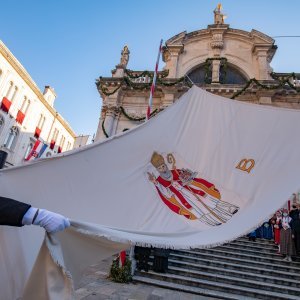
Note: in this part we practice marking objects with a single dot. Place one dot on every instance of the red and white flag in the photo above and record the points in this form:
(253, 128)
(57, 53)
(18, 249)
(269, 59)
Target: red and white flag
(35, 150)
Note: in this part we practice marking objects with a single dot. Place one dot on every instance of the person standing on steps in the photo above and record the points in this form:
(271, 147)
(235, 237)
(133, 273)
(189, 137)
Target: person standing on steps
(287, 246)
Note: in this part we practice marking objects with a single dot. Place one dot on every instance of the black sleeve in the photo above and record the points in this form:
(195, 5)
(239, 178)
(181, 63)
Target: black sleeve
(12, 211)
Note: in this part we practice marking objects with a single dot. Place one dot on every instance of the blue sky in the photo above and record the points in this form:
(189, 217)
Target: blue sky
(68, 44)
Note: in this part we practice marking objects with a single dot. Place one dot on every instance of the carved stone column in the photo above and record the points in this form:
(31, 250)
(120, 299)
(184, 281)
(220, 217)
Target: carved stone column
(262, 62)
(108, 115)
(170, 57)
(215, 71)
(217, 45)
(110, 118)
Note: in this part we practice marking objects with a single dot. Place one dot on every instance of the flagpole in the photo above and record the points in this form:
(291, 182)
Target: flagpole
(153, 82)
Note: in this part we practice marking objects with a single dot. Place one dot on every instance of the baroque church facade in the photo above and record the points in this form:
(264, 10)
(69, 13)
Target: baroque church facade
(229, 62)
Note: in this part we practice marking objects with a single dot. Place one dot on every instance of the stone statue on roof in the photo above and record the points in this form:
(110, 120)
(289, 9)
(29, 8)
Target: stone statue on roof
(124, 56)
(219, 16)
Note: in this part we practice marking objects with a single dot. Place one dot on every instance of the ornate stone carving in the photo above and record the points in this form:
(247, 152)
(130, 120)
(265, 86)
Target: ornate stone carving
(217, 41)
(110, 110)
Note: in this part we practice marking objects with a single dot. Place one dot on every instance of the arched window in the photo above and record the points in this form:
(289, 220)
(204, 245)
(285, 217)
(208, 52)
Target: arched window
(1, 122)
(229, 74)
(68, 146)
(40, 121)
(43, 122)
(55, 134)
(62, 141)
(14, 94)
(11, 84)
(11, 139)
(25, 105)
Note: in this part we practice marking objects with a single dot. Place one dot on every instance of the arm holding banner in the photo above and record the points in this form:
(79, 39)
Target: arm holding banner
(15, 213)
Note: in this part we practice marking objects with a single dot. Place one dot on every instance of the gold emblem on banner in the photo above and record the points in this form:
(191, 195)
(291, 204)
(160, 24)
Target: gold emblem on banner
(246, 165)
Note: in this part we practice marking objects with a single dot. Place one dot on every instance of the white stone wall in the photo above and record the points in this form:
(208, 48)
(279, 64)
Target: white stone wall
(12, 71)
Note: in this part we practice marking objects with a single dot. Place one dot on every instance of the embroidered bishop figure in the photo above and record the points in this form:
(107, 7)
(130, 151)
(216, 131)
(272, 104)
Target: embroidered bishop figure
(188, 195)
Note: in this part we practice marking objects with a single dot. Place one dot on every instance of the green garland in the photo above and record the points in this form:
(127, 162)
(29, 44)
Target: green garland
(140, 85)
(137, 119)
(120, 274)
(105, 90)
(155, 112)
(131, 74)
(282, 82)
(135, 85)
(103, 129)
(181, 79)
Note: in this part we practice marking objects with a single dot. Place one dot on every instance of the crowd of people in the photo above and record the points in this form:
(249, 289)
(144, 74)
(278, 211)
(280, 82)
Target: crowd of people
(284, 229)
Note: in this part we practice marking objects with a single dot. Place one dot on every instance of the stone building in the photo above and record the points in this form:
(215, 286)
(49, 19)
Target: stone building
(27, 114)
(229, 62)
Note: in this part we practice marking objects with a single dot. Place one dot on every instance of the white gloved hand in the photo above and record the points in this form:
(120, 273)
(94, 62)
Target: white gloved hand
(51, 221)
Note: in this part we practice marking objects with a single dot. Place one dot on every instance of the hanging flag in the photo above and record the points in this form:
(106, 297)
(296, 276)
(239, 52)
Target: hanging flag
(43, 149)
(34, 151)
(153, 82)
(37, 150)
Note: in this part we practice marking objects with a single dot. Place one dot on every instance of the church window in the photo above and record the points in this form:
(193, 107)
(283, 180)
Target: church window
(229, 74)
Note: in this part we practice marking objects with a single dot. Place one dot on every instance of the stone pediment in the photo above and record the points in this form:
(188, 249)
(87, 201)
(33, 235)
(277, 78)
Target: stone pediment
(176, 39)
(254, 36)
(251, 52)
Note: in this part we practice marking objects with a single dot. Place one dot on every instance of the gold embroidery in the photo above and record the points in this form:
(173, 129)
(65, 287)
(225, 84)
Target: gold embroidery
(246, 165)
(182, 210)
(211, 191)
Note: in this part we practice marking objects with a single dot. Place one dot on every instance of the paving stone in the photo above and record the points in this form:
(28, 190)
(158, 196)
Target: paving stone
(96, 297)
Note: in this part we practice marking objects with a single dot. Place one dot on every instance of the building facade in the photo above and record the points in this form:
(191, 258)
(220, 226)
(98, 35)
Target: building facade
(229, 62)
(27, 114)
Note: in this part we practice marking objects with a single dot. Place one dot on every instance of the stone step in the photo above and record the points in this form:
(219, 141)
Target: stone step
(261, 252)
(215, 286)
(254, 246)
(189, 289)
(254, 258)
(253, 269)
(268, 278)
(188, 256)
(233, 280)
(258, 241)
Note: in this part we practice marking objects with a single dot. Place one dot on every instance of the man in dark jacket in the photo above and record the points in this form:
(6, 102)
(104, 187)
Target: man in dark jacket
(15, 213)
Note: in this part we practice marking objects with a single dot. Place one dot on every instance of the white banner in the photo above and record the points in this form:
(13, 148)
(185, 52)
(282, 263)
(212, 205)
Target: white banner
(203, 172)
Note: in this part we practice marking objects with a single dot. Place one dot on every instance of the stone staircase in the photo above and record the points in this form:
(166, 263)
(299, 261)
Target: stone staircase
(238, 270)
